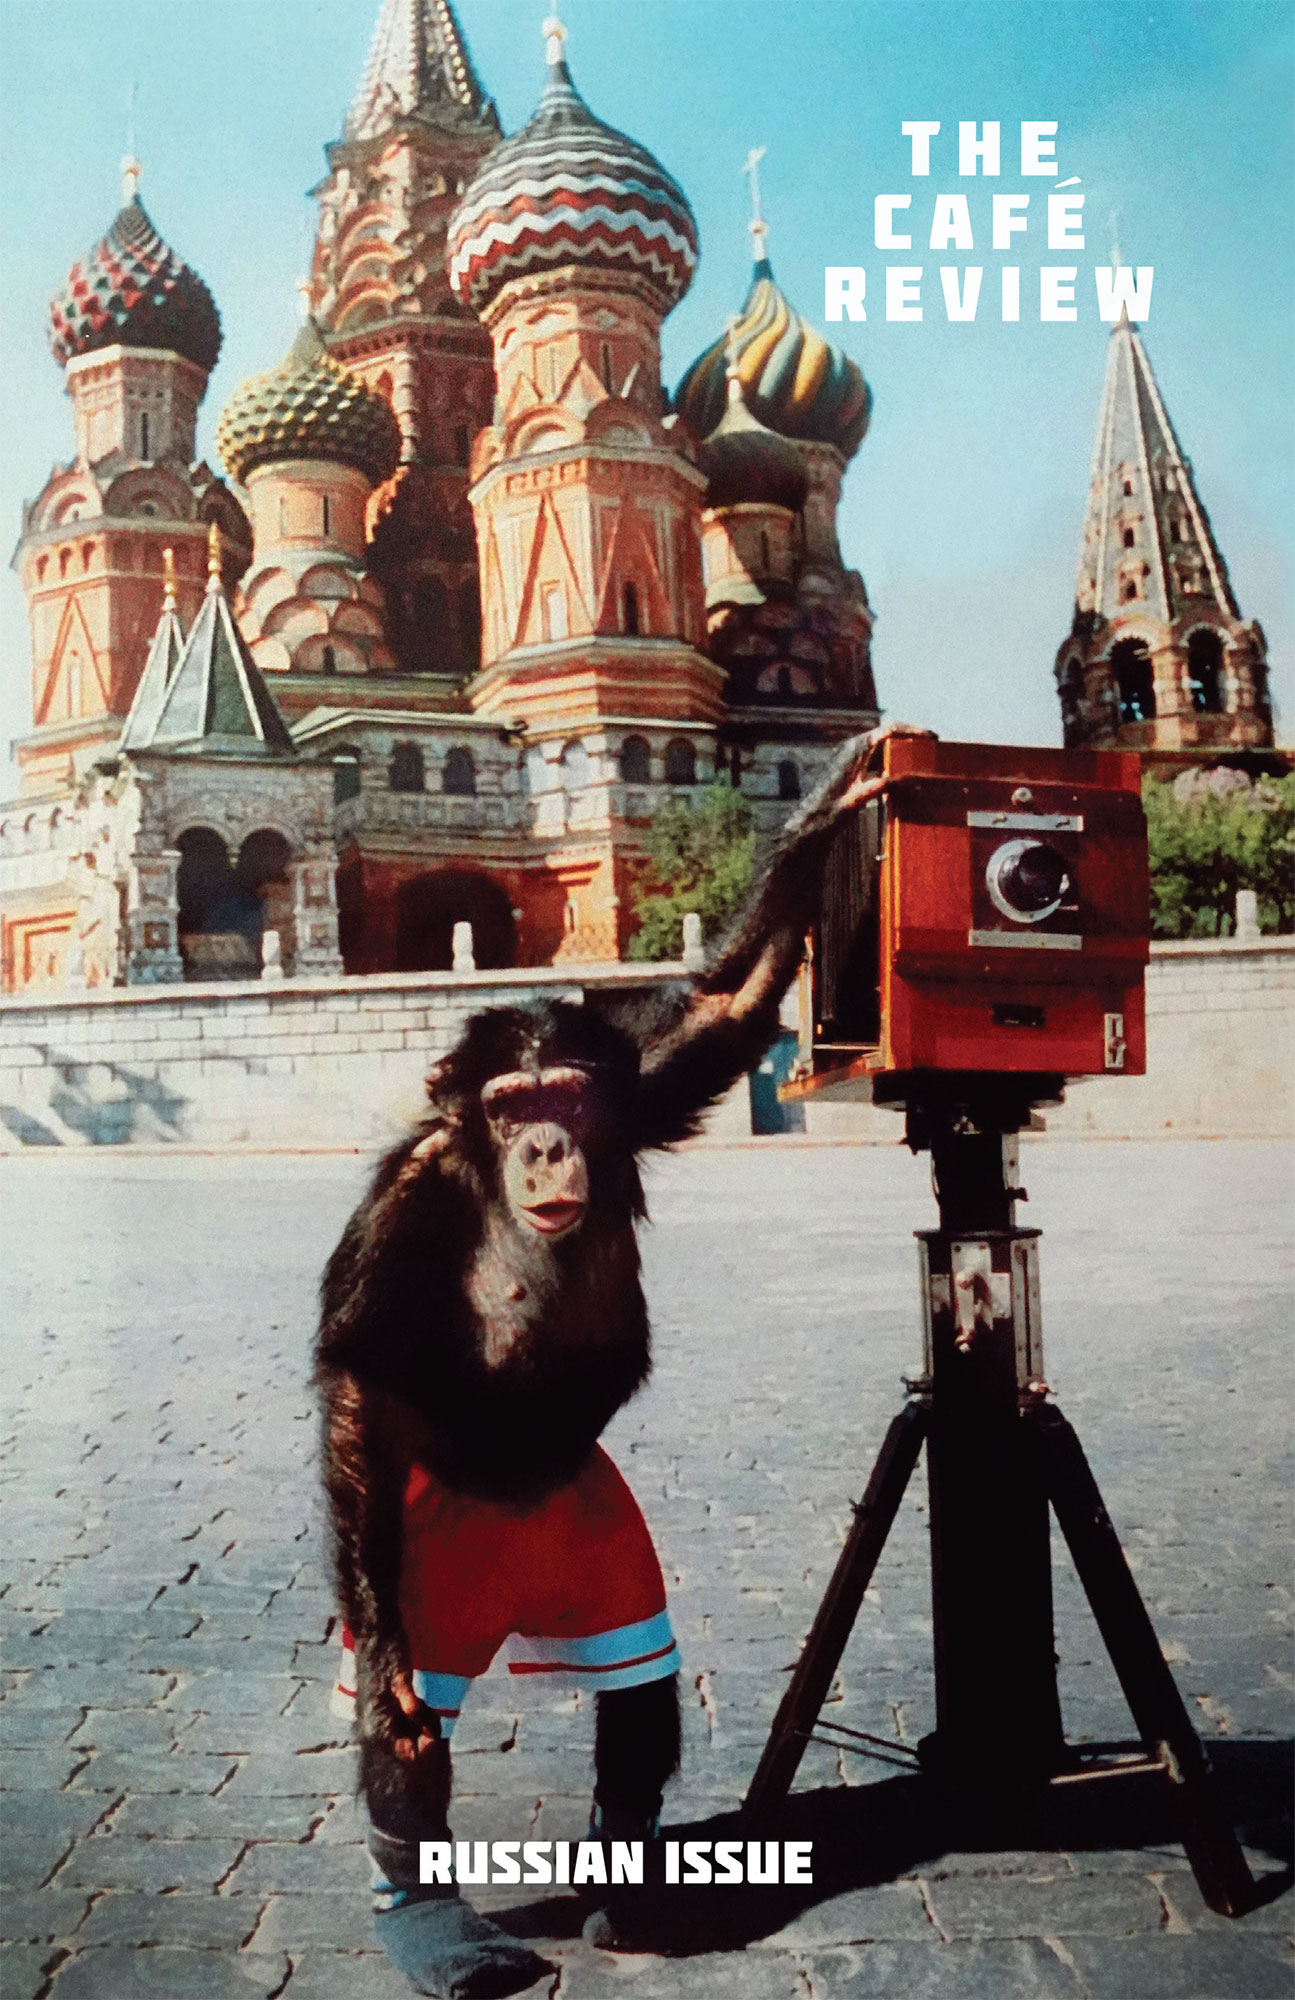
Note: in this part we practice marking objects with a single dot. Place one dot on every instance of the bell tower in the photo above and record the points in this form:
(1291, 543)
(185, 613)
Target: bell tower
(1159, 658)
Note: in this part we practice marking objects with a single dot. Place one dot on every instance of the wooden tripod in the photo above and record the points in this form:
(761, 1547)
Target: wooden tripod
(998, 1455)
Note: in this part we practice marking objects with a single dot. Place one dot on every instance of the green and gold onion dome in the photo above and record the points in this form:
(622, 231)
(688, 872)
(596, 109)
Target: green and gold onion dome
(793, 380)
(747, 463)
(308, 407)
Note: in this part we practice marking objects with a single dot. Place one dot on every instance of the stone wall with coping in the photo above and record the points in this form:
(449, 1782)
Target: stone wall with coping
(336, 1062)
(340, 1062)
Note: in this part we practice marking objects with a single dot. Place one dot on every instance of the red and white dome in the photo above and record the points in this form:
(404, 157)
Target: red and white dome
(568, 189)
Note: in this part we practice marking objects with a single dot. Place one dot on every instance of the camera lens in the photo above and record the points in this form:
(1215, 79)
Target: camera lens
(1026, 880)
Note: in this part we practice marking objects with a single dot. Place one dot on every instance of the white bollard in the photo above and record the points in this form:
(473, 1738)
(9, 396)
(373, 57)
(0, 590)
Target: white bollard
(694, 952)
(464, 959)
(271, 955)
(1247, 917)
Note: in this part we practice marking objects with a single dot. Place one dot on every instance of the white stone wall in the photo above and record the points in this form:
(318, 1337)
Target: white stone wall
(336, 1062)
(341, 1062)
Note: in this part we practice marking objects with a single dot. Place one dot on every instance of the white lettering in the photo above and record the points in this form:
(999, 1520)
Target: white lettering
(1065, 222)
(728, 1861)
(535, 1853)
(883, 221)
(1009, 218)
(1057, 291)
(843, 290)
(963, 307)
(1038, 152)
(971, 149)
(503, 1855)
(797, 1857)
(627, 1861)
(696, 1856)
(951, 223)
(591, 1864)
(471, 1861)
(921, 135)
(1118, 290)
(434, 1861)
(903, 291)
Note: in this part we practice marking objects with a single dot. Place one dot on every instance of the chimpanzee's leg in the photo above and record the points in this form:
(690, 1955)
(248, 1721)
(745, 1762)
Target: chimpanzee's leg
(636, 1748)
(436, 1939)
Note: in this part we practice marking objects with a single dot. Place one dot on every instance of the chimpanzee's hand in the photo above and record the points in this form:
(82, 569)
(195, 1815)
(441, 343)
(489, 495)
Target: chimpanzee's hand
(860, 787)
(391, 1713)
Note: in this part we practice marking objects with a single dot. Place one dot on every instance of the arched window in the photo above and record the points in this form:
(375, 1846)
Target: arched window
(680, 762)
(553, 611)
(405, 771)
(630, 609)
(459, 778)
(764, 552)
(143, 435)
(1128, 538)
(1131, 665)
(788, 779)
(330, 660)
(605, 367)
(346, 774)
(574, 767)
(328, 514)
(636, 761)
(1205, 671)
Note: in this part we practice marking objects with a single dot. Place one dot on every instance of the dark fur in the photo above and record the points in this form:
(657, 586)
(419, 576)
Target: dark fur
(508, 1403)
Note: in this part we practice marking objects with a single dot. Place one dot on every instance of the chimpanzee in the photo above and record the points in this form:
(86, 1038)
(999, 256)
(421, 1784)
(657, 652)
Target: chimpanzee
(483, 1319)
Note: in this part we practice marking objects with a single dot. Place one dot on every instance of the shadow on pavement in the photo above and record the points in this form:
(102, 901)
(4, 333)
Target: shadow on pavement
(870, 1834)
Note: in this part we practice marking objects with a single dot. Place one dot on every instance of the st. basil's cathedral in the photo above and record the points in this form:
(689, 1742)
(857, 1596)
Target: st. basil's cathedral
(477, 594)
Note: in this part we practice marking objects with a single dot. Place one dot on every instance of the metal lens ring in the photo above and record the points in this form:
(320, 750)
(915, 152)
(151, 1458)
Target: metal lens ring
(1027, 880)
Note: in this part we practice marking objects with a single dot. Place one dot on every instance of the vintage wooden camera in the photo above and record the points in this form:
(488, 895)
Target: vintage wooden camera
(989, 915)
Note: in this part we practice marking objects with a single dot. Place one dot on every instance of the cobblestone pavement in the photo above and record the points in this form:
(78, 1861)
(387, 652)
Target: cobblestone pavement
(180, 1821)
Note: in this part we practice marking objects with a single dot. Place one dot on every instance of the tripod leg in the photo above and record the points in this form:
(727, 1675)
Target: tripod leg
(873, 1516)
(1157, 1707)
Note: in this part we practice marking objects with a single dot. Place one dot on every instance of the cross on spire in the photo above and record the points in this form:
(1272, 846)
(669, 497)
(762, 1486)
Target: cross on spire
(757, 226)
(555, 36)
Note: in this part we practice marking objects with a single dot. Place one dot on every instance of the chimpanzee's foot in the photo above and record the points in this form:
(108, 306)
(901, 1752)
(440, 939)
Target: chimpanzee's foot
(443, 1946)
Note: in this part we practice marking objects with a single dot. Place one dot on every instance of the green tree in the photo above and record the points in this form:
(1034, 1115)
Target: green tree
(700, 859)
(1206, 846)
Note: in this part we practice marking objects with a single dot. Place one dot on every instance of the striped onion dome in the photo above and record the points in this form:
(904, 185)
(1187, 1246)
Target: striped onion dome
(792, 379)
(746, 463)
(308, 407)
(567, 189)
(131, 289)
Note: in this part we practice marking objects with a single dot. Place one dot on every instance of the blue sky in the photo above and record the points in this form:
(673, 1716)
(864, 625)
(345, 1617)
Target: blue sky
(964, 506)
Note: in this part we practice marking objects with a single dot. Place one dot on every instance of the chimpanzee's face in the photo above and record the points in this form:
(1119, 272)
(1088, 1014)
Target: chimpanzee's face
(540, 1120)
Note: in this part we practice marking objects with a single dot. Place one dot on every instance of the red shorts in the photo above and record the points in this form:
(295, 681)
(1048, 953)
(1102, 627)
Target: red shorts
(573, 1585)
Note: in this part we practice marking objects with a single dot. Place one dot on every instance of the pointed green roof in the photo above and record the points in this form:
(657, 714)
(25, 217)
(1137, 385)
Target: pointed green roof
(216, 700)
(159, 670)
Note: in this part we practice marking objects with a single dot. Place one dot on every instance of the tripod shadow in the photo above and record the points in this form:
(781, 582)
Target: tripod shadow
(869, 1834)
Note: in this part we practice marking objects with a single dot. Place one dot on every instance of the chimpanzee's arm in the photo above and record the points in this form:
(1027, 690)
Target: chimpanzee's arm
(732, 1014)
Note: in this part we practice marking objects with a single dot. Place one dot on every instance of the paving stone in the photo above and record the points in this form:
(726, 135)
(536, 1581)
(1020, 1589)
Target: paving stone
(22, 1970)
(719, 1975)
(149, 1771)
(30, 1916)
(112, 1861)
(1206, 1967)
(127, 1917)
(1013, 1906)
(893, 1910)
(350, 1975)
(326, 1920)
(997, 1969)
(277, 1867)
(309, 1775)
(37, 1833)
(180, 1816)
(109, 1973)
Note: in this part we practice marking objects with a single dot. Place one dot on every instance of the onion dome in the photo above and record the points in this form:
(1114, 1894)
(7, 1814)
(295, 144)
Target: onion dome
(308, 407)
(568, 189)
(131, 289)
(792, 379)
(746, 463)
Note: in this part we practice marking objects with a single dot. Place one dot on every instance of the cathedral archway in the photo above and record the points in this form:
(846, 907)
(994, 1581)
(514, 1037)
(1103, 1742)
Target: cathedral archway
(429, 906)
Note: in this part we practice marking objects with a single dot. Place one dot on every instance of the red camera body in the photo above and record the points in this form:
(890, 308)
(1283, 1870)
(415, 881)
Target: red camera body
(991, 916)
